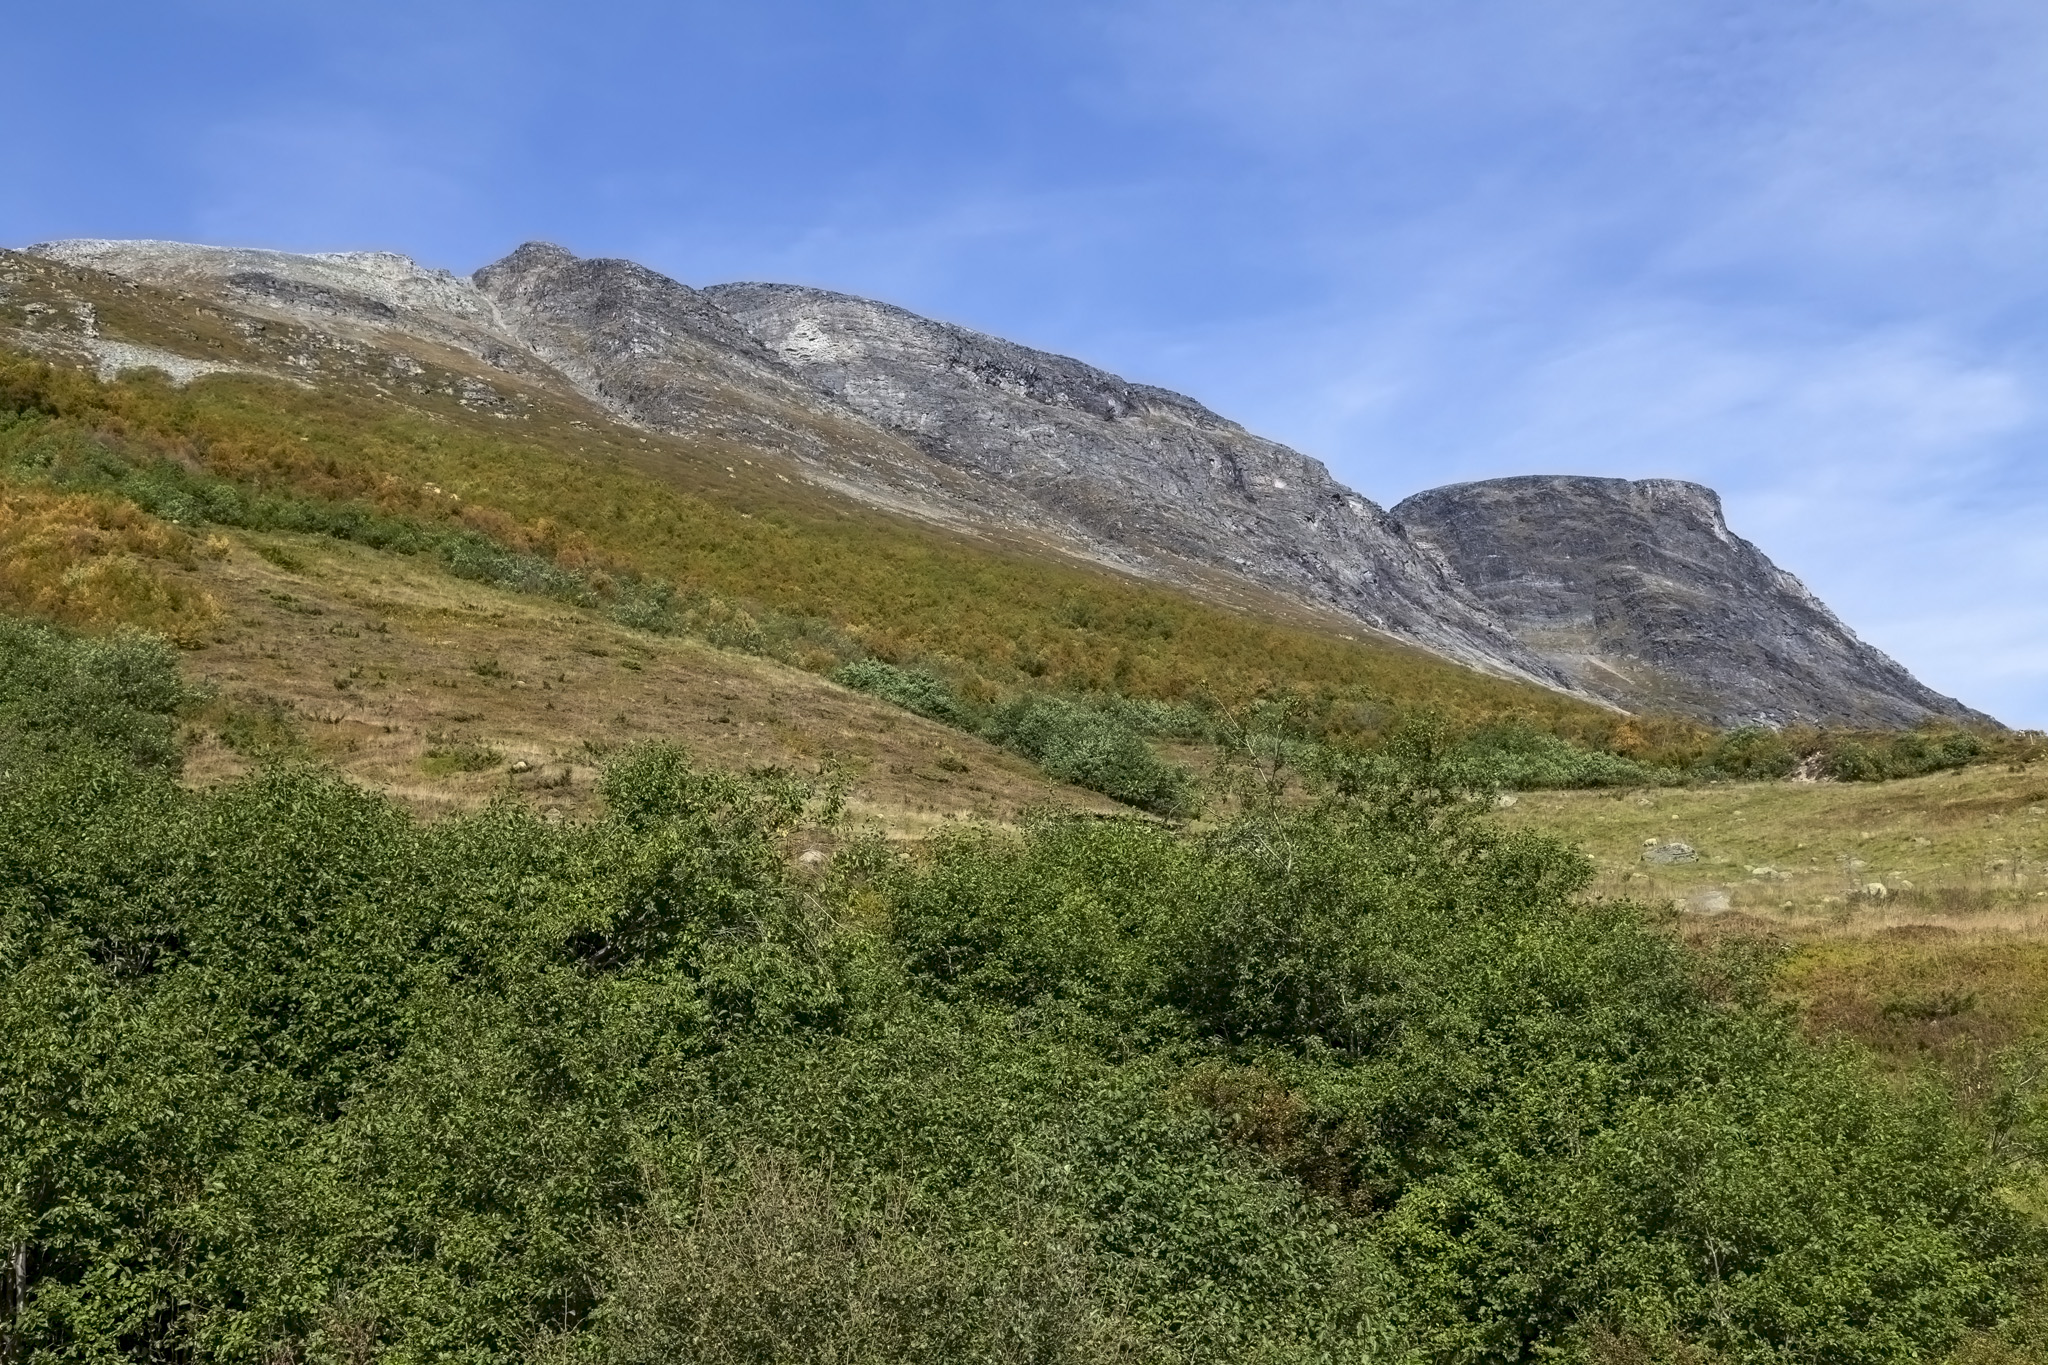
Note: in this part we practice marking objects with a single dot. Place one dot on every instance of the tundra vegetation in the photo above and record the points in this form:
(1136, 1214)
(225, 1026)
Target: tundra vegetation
(106, 486)
(294, 1075)
(1334, 1061)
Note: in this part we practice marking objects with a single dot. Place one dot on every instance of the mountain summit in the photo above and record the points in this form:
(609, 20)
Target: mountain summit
(1638, 590)
(1635, 594)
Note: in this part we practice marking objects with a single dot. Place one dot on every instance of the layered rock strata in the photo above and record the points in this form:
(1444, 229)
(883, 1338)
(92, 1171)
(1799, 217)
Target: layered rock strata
(1638, 590)
(1633, 593)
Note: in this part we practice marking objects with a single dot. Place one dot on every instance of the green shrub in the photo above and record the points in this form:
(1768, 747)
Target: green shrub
(1161, 719)
(1879, 758)
(772, 1262)
(1760, 754)
(291, 1074)
(117, 694)
(1092, 749)
(1551, 1123)
(1516, 757)
(444, 756)
(287, 1068)
(913, 689)
(1755, 753)
(1095, 743)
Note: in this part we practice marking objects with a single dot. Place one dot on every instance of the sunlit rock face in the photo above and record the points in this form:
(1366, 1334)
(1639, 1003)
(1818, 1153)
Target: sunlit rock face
(1633, 593)
(1638, 589)
(1150, 472)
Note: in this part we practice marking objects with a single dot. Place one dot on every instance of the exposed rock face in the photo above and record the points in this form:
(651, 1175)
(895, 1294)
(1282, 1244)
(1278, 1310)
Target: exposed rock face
(1641, 592)
(1634, 593)
(360, 293)
(664, 355)
(653, 349)
(1137, 467)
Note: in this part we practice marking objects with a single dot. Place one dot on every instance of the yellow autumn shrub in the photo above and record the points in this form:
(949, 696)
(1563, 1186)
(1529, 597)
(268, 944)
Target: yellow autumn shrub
(95, 563)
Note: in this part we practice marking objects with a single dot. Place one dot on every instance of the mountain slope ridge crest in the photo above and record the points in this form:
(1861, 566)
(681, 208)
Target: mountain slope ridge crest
(966, 428)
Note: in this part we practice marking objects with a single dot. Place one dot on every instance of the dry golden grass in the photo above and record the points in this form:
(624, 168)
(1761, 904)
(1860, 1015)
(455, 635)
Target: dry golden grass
(437, 691)
(1945, 967)
(96, 562)
(1962, 849)
(552, 474)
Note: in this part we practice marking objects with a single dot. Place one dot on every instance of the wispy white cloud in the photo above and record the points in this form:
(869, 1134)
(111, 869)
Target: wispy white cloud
(1790, 250)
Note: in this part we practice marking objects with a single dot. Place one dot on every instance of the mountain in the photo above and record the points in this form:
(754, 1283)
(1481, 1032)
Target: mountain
(1125, 464)
(1138, 479)
(1641, 593)
(1643, 604)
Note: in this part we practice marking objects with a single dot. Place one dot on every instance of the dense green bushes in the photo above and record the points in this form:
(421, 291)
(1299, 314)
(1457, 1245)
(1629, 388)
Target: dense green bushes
(59, 693)
(1511, 756)
(1097, 743)
(1758, 754)
(1878, 758)
(291, 1075)
(913, 689)
(1516, 757)
(1093, 748)
(1543, 1116)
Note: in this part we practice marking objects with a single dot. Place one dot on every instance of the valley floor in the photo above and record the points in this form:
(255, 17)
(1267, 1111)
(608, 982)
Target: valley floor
(1944, 967)
(1955, 853)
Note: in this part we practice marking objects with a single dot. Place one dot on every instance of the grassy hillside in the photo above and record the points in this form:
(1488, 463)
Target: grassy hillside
(542, 473)
(382, 983)
(1910, 916)
(120, 496)
(1971, 843)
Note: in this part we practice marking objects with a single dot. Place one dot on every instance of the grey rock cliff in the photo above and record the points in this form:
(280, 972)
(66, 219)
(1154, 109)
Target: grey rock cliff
(893, 409)
(1641, 592)
(661, 354)
(1141, 468)
(649, 347)
(1633, 593)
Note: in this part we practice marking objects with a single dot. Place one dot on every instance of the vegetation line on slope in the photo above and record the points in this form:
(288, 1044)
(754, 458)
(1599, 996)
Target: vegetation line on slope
(159, 449)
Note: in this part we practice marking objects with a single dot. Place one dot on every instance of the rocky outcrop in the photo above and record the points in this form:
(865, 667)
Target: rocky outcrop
(1149, 471)
(1633, 593)
(360, 294)
(661, 354)
(1640, 591)
(651, 348)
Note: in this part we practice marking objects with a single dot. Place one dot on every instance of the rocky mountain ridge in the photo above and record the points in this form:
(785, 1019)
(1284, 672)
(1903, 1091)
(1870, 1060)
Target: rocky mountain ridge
(984, 435)
(1639, 590)
(1125, 463)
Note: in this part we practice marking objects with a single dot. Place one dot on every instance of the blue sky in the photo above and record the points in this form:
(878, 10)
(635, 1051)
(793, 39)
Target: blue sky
(1795, 249)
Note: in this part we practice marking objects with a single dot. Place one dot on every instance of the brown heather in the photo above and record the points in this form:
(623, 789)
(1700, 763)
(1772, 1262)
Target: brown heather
(95, 563)
(606, 498)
